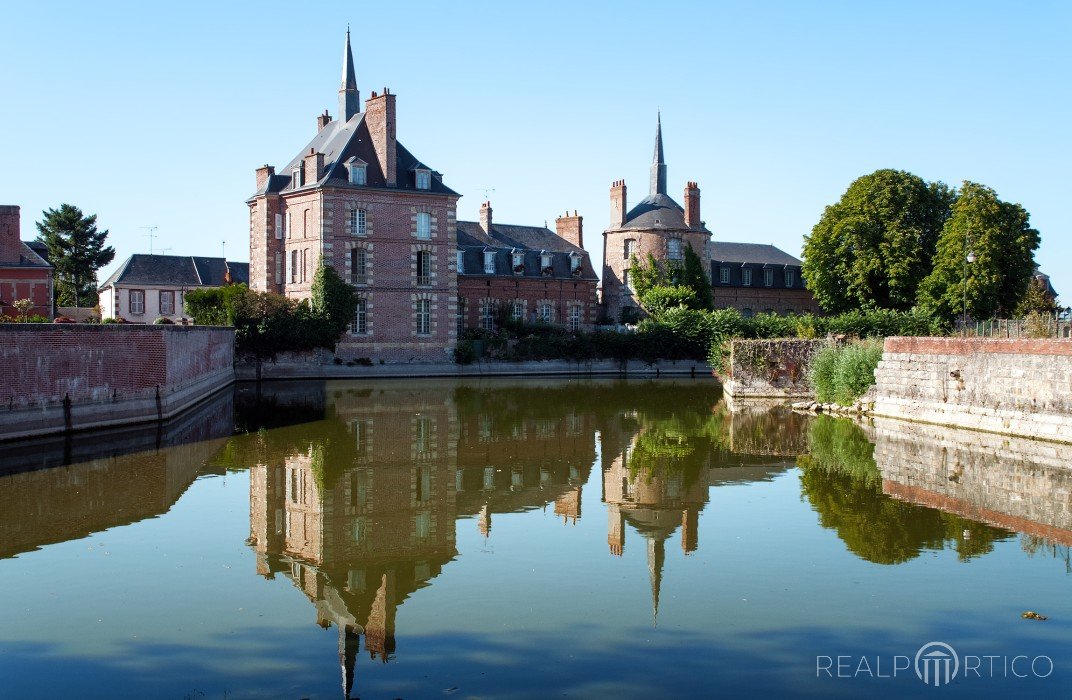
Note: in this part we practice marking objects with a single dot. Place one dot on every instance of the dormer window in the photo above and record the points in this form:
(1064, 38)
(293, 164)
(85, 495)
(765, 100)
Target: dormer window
(517, 261)
(424, 179)
(545, 263)
(358, 170)
(489, 262)
(296, 178)
(461, 262)
(789, 278)
(575, 263)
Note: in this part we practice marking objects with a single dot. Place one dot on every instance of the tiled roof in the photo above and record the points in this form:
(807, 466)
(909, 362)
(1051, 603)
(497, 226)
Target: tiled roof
(656, 211)
(532, 240)
(750, 253)
(177, 271)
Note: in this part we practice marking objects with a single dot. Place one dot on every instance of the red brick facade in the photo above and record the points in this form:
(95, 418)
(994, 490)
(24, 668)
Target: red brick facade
(23, 275)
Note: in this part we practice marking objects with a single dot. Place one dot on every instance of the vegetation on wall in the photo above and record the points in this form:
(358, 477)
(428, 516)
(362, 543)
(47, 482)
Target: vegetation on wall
(841, 374)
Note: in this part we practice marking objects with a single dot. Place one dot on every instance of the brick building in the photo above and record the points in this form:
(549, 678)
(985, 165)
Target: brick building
(24, 273)
(357, 199)
(761, 278)
(148, 287)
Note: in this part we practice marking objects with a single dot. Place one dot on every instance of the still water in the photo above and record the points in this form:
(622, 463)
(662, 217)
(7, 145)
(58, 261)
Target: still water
(511, 538)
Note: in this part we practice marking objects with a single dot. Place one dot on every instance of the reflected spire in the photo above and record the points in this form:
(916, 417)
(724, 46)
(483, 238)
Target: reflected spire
(656, 557)
(348, 644)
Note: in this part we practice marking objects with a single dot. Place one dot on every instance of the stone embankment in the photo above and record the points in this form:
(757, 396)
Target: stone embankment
(57, 378)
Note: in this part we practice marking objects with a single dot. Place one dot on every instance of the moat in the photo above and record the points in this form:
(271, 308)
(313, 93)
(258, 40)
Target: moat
(529, 538)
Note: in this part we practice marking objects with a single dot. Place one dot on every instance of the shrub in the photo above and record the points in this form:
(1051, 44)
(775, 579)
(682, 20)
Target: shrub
(163, 321)
(842, 374)
(661, 298)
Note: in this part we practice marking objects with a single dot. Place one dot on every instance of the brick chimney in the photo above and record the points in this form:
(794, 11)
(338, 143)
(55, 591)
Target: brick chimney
(263, 173)
(380, 119)
(485, 217)
(692, 205)
(314, 166)
(10, 243)
(322, 120)
(570, 228)
(617, 204)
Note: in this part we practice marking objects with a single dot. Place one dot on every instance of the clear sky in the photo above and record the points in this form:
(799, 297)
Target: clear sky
(157, 114)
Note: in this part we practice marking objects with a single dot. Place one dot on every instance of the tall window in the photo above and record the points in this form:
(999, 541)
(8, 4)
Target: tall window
(424, 317)
(630, 249)
(768, 277)
(305, 224)
(573, 318)
(517, 261)
(424, 180)
(304, 264)
(359, 266)
(545, 262)
(424, 267)
(279, 268)
(487, 315)
(167, 303)
(288, 225)
(358, 222)
(517, 312)
(137, 301)
(357, 174)
(575, 263)
(461, 315)
(461, 262)
(278, 226)
(359, 326)
(673, 249)
(489, 262)
(626, 281)
(724, 275)
(746, 277)
(789, 278)
(546, 312)
(294, 265)
(424, 225)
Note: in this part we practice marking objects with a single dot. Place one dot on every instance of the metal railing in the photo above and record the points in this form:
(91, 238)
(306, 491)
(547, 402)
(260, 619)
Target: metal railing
(1040, 326)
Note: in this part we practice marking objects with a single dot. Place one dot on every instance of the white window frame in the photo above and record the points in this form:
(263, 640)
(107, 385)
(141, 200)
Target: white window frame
(626, 281)
(573, 317)
(358, 222)
(424, 317)
(461, 262)
(279, 268)
(424, 179)
(724, 274)
(168, 310)
(358, 174)
(279, 227)
(768, 277)
(424, 260)
(789, 278)
(545, 312)
(487, 316)
(359, 324)
(294, 265)
(287, 228)
(424, 226)
(489, 262)
(746, 277)
(629, 248)
(674, 250)
(575, 262)
(517, 260)
(358, 273)
(517, 311)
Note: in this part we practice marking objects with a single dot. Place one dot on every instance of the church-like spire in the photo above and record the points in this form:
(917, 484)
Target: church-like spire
(656, 557)
(349, 97)
(658, 165)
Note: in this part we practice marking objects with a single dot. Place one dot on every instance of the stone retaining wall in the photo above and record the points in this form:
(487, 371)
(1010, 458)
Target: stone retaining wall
(1015, 387)
(764, 369)
(58, 378)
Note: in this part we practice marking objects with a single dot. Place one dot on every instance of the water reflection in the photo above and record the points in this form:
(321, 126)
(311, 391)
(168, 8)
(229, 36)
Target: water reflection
(358, 509)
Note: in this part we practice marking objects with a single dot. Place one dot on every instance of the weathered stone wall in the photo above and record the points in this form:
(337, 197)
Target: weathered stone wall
(55, 378)
(1016, 387)
(1015, 483)
(771, 368)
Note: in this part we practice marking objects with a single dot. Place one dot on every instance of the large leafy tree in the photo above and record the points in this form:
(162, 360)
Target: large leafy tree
(76, 249)
(1003, 244)
(872, 247)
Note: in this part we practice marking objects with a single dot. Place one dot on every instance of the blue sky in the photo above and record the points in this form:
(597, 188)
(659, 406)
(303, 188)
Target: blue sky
(157, 115)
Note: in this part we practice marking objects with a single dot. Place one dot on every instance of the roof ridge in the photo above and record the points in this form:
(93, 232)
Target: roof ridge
(197, 272)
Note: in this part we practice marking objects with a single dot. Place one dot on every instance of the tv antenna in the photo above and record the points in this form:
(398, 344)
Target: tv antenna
(223, 246)
(487, 192)
(151, 233)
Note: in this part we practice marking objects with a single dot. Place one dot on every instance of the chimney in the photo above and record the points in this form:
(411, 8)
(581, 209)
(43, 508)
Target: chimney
(692, 205)
(322, 120)
(689, 526)
(617, 204)
(10, 243)
(263, 173)
(570, 228)
(314, 166)
(380, 119)
(485, 217)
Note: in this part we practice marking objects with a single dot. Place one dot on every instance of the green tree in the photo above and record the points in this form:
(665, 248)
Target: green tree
(76, 249)
(1036, 301)
(668, 284)
(1003, 244)
(874, 245)
(332, 298)
(695, 277)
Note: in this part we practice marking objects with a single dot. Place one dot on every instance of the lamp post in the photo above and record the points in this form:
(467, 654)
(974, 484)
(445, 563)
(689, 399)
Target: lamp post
(969, 257)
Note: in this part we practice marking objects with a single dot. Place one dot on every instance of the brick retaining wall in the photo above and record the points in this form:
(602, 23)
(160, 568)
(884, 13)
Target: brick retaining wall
(59, 377)
(1015, 387)
(771, 368)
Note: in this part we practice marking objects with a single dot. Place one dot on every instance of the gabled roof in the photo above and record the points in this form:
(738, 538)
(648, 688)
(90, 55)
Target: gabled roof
(750, 253)
(40, 249)
(177, 271)
(530, 240)
(28, 256)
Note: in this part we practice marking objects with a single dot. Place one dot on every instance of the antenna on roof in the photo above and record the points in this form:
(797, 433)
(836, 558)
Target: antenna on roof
(165, 250)
(487, 193)
(151, 234)
(223, 244)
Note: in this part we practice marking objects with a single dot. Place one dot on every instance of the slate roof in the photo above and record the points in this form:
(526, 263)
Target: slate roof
(40, 249)
(656, 211)
(177, 271)
(532, 240)
(28, 256)
(751, 253)
(339, 141)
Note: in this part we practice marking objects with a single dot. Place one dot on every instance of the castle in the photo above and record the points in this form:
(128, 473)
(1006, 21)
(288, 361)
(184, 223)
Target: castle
(357, 199)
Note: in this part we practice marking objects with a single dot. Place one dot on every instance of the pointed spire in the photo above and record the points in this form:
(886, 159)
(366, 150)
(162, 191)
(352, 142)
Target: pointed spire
(349, 97)
(656, 557)
(658, 165)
